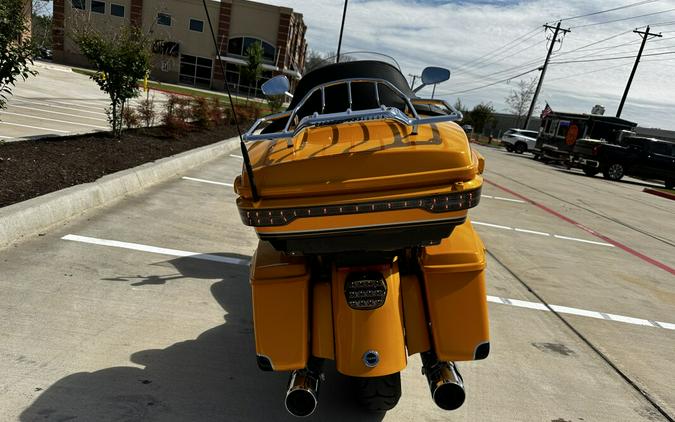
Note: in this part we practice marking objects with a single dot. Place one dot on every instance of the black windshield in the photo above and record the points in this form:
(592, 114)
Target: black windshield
(359, 69)
(337, 98)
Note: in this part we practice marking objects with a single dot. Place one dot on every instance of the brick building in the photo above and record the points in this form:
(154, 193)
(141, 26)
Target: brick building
(183, 50)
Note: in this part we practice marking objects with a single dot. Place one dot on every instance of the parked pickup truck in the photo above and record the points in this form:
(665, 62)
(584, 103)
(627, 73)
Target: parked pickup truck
(634, 156)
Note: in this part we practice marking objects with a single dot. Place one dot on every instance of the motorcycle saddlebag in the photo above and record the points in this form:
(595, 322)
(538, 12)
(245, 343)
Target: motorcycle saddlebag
(280, 293)
(454, 282)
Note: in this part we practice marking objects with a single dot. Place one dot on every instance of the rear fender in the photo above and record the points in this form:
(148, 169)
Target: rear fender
(363, 334)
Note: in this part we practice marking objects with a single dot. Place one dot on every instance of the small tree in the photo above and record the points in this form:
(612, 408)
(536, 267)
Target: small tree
(519, 99)
(15, 50)
(251, 72)
(481, 115)
(146, 111)
(42, 31)
(275, 103)
(313, 60)
(459, 106)
(121, 61)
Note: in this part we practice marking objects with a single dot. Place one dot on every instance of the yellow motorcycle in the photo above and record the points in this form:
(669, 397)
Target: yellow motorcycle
(359, 194)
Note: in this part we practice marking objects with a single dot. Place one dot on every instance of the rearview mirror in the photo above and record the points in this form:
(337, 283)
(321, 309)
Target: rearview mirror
(278, 85)
(435, 75)
(432, 76)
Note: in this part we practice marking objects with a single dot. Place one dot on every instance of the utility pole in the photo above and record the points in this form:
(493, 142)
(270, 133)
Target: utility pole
(543, 69)
(645, 35)
(412, 84)
(342, 27)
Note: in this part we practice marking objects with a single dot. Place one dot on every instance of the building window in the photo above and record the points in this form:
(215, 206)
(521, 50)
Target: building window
(563, 127)
(79, 4)
(98, 6)
(195, 71)
(117, 10)
(238, 46)
(164, 19)
(240, 86)
(196, 25)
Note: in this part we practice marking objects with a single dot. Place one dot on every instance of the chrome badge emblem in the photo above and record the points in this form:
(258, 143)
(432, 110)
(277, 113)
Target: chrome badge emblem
(371, 358)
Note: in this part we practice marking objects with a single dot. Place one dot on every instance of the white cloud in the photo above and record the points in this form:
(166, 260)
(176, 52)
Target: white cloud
(421, 33)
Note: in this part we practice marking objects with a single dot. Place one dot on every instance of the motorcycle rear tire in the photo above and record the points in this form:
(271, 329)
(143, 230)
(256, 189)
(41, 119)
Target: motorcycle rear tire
(378, 394)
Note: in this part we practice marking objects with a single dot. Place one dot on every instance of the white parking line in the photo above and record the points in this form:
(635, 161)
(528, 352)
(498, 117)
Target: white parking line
(494, 299)
(57, 112)
(42, 100)
(237, 156)
(502, 199)
(496, 226)
(50, 105)
(581, 312)
(34, 127)
(532, 232)
(509, 199)
(207, 181)
(582, 240)
(155, 249)
(53, 120)
(574, 239)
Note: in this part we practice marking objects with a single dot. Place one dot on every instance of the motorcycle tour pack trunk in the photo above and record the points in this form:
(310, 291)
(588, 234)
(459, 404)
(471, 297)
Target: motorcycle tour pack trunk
(366, 255)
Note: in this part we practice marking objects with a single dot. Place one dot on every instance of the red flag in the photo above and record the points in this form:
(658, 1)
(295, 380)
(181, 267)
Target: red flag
(547, 110)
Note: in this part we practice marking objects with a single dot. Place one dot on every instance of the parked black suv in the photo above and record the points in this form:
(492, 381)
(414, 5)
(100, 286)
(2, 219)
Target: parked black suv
(634, 156)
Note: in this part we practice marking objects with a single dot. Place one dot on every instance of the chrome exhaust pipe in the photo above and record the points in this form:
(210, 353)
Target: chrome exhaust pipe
(446, 385)
(303, 393)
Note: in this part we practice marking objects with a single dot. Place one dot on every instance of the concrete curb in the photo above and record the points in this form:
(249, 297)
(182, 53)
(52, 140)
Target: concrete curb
(659, 193)
(39, 214)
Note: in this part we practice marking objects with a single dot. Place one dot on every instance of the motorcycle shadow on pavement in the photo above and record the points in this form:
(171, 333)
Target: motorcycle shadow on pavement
(213, 377)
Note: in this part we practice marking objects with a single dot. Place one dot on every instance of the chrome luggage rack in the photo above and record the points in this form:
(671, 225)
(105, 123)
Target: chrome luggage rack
(384, 112)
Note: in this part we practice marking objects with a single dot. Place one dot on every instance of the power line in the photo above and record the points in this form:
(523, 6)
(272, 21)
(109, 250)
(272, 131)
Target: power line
(589, 72)
(622, 19)
(599, 49)
(662, 24)
(495, 57)
(469, 74)
(610, 10)
(595, 42)
(516, 68)
(498, 49)
(659, 60)
(651, 50)
(613, 58)
(491, 84)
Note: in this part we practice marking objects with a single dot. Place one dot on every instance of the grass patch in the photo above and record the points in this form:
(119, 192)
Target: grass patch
(664, 190)
(485, 141)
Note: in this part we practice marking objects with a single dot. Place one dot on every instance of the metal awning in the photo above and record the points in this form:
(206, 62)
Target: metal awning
(241, 62)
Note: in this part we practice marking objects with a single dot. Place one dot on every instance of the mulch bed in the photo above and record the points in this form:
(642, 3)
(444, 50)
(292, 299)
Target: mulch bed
(36, 167)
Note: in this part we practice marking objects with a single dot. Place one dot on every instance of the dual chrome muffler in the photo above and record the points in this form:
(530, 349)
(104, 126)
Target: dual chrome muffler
(445, 382)
(303, 392)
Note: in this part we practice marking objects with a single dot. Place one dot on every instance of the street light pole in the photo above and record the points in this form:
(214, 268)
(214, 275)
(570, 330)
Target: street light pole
(342, 28)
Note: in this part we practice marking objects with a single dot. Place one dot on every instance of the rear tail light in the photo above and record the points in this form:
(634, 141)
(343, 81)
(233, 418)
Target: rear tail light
(265, 217)
(365, 290)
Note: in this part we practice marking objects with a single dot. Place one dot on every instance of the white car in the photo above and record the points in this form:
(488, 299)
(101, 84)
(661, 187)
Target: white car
(519, 140)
